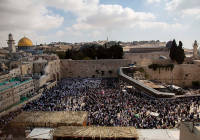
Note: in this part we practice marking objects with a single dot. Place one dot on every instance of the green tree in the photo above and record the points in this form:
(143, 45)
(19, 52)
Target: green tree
(180, 53)
(177, 52)
(68, 54)
(173, 47)
(61, 54)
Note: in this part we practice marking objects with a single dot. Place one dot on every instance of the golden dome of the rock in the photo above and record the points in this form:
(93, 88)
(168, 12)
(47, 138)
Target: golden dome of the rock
(25, 42)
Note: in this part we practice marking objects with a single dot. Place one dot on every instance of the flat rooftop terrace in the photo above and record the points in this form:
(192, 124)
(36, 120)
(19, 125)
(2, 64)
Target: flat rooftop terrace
(12, 83)
(96, 132)
(50, 119)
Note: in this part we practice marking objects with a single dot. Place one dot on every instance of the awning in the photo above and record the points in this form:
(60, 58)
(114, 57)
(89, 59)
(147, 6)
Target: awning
(41, 133)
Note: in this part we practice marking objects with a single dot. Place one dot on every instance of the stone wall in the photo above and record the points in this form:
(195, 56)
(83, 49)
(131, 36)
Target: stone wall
(182, 75)
(15, 72)
(4, 77)
(91, 68)
(145, 58)
(26, 68)
(51, 72)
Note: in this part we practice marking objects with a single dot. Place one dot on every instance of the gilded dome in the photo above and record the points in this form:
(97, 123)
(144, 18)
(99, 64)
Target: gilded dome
(25, 42)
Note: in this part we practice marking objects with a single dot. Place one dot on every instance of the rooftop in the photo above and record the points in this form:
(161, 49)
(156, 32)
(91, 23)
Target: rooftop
(12, 83)
(50, 119)
(96, 132)
(41, 133)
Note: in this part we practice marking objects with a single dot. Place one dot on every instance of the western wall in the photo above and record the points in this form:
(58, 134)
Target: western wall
(182, 75)
(91, 68)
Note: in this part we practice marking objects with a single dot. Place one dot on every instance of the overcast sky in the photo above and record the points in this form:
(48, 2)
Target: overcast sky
(45, 21)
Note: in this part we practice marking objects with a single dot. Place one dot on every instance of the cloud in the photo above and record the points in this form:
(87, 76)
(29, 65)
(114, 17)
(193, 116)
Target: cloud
(184, 8)
(93, 20)
(103, 19)
(182, 4)
(26, 17)
(192, 12)
(160, 25)
(80, 8)
(60, 33)
(115, 17)
(153, 1)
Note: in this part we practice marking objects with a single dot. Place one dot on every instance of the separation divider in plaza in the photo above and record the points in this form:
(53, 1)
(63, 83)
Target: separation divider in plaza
(142, 87)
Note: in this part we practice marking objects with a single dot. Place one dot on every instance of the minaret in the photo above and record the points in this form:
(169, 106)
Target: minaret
(195, 49)
(11, 44)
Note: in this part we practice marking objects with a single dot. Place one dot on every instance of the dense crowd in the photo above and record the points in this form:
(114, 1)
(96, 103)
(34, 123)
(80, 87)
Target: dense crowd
(4, 120)
(111, 102)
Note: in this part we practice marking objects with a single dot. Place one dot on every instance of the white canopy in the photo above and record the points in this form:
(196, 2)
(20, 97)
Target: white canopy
(41, 133)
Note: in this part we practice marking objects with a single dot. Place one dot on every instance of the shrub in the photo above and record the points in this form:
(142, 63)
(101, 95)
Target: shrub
(161, 66)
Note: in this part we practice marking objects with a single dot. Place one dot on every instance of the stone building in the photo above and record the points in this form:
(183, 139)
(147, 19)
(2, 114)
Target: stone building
(4, 76)
(14, 90)
(146, 53)
(25, 44)
(195, 50)
(24, 72)
(47, 68)
(11, 44)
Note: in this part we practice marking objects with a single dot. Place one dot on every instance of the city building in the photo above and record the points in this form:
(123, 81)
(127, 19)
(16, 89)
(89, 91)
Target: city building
(195, 50)
(24, 71)
(190, 131)
(11, 44)
(26, 45)
(14, 90)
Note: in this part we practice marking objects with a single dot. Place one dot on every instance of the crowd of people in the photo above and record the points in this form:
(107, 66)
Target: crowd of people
(4, 120)
(111, 102)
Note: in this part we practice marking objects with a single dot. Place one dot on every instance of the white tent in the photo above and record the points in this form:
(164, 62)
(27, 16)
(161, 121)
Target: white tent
(41, 134)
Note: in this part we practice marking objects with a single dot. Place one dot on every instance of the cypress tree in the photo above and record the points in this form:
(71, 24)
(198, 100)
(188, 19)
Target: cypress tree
(177, 52)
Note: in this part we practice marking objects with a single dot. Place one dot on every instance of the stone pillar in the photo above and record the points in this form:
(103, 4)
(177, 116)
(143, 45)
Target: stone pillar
(195, 49)
(11, 44)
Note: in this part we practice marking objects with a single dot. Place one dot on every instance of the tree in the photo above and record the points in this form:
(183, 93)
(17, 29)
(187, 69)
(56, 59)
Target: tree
(177, 52)
(61, 54)
(180, 53)
(173, 47)
(68, 54)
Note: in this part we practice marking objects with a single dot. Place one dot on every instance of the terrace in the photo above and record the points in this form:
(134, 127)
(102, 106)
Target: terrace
(12, 83)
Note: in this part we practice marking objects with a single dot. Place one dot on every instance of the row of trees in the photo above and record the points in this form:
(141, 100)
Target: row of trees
(114, 50)
(94, 51)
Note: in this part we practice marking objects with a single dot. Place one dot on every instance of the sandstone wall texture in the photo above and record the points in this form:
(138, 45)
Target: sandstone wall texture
(182, 75)
(144, 58)
(91, 68)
